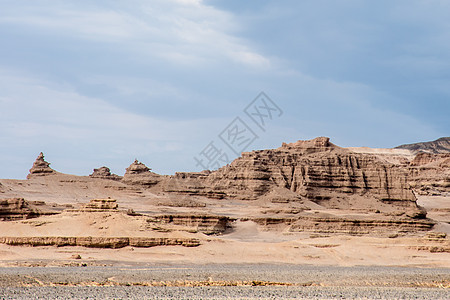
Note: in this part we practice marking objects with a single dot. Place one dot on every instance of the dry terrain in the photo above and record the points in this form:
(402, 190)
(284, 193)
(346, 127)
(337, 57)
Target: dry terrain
(305, 203)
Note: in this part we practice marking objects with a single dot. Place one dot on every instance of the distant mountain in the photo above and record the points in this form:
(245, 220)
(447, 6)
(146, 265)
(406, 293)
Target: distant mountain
(441, 145)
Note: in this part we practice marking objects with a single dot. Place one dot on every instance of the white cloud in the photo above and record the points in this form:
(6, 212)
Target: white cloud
(187, 32)
(36, 107)
(251, 59)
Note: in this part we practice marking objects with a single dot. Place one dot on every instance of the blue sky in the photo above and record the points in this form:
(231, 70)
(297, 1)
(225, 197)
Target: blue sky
(95, 83)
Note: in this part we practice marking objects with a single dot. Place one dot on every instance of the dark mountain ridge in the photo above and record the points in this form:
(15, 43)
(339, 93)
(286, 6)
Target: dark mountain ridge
(441, 145)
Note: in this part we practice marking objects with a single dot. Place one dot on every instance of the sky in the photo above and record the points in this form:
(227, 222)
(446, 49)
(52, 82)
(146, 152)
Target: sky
(102, 83)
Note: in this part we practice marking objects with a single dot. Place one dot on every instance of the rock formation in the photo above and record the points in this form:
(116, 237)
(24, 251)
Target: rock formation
(208, 224)
(104, 173)
(101, 205)
(427, 165)
(315, 170)
(345, 225)
(40, 167)
(16, 209)
(429, 174)
(99, 242)
(309, 186)
(139, 174)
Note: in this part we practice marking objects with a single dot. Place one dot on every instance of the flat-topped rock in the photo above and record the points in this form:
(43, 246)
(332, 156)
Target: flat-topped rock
(40, 167)
(208, 224)
(102, 204)
(319, 142)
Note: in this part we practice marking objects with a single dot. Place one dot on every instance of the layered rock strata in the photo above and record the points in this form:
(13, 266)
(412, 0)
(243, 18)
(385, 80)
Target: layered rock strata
(104, 173)
(99, 242)
(40, 167)
(17, 209)
(192, 184)
(207, 224)
(360, 227)
(102, 204)
(429, 174)
(343, 225)
(139, 174)
(315, 170)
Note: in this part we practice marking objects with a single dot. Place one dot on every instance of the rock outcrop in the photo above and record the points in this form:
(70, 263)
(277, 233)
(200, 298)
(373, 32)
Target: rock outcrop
(429, 174)
(139, 174)
(40, 167)
(315, 170)
(104, 173)
(99, 242)
(192, 184)
(101, 205)
(345, 225)
(17, 209)
(207, 224)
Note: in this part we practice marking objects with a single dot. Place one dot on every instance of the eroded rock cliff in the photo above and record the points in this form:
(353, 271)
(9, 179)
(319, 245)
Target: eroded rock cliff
(315, 170)
(429, 174)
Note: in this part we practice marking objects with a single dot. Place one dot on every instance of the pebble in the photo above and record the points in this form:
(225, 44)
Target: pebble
(310, 282)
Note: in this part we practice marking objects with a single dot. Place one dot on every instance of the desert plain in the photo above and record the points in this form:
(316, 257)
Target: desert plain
(307, 220)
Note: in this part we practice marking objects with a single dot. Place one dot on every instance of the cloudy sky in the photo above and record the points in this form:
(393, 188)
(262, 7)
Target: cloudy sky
(93, 83)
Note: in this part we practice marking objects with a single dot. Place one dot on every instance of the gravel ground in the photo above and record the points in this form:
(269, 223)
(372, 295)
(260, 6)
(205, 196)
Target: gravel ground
(309, 282)
(222, 293)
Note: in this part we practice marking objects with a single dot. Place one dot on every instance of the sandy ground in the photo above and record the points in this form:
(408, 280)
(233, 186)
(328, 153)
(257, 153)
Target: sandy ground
(246, 243)
(301, 265)
(240, 247)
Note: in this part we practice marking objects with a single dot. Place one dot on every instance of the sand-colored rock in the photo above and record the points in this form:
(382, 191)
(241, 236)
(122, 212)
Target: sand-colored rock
(104, 173)
(427, 165)
(102, 204)
(139, 174)
(191, 184)
(429, 174)
(361, 226)
(40, 167)
(207, 224)
(151, 242)
(305, 202)
(17, 209)
(97, 242)
(315, 170)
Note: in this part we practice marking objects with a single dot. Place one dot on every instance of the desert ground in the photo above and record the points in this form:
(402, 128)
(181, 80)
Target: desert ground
(197, 235)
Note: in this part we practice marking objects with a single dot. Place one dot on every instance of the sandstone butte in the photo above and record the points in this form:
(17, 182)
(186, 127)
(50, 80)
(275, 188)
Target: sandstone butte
(307, 187)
